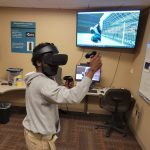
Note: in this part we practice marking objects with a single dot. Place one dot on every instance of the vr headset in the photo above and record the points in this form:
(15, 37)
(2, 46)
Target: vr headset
(51, 58)
(55, 59)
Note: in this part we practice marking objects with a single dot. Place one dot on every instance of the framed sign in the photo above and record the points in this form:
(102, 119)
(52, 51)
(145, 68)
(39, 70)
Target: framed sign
(22, 37)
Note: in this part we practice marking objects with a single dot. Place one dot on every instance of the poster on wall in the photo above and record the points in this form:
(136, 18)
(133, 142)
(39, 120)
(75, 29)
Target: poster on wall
(22, 36)
(144, 89)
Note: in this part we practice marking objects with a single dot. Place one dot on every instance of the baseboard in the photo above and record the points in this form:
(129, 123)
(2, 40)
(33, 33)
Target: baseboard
(68, 114)
(18, 109)
(82, 115)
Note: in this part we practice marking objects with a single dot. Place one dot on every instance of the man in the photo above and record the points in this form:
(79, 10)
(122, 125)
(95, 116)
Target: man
(41, 123)
(96, 31)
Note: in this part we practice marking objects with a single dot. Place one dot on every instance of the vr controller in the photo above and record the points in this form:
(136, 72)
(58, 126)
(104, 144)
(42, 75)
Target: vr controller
(69, 83)
(90, 55)
(69, 78)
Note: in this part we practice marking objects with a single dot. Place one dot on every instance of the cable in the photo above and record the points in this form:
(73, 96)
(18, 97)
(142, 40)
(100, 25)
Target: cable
(115, 70)
(81, 56)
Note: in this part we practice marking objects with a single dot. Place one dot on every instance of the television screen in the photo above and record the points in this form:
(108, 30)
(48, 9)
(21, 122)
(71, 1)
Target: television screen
(81, 71)
(108, 29)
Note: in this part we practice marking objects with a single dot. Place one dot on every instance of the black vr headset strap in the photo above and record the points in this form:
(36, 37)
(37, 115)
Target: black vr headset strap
(47, 49)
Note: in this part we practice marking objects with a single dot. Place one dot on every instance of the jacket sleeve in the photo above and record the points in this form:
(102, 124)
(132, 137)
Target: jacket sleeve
(60, 94)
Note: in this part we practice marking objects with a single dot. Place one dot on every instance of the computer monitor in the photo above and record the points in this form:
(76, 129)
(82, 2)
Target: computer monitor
(81, 71)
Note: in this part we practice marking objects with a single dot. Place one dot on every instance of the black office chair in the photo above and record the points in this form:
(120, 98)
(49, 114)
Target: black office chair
(118, 102)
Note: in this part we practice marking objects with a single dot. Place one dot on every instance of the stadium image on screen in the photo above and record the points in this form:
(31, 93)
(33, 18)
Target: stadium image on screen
(116, 29)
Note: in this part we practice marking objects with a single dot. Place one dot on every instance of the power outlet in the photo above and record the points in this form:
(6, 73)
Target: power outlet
(138, 115)
(131, 70)
(137, 112)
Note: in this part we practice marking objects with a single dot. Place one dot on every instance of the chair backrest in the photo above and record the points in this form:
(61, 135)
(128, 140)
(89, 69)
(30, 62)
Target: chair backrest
(119, 97)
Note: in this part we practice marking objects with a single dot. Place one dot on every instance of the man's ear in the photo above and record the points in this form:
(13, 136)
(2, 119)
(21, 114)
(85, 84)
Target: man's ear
(38, 63)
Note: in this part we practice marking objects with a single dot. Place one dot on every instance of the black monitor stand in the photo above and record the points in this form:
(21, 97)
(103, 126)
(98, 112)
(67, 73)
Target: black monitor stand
(93, 84)
(92, 88)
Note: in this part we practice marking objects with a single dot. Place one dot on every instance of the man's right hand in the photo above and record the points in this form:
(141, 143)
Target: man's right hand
(95, 64)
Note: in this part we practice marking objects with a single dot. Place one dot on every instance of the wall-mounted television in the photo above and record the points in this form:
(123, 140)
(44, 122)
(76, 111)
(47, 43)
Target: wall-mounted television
(107, 29)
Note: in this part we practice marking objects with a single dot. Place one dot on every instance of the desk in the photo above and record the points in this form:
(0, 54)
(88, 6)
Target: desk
(7, 88)
(8, 94)
(99, 92)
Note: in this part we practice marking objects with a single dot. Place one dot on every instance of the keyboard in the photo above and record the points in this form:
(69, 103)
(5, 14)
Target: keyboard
(92, 91)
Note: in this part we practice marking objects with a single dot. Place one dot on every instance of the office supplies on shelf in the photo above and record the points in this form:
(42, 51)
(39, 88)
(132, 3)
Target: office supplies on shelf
(12, 73)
